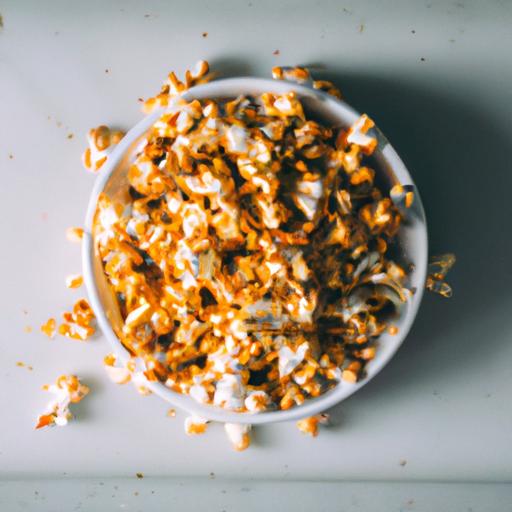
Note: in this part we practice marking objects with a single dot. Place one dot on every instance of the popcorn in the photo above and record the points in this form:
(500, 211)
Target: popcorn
(49, 328)
(117, 374)
(68, 389)
(77, 323)
(253, 264)
(74, 234)
(310, 425)
(195, 425)
(238, 434)
(438, 267)
(74, 280)
(101, 142)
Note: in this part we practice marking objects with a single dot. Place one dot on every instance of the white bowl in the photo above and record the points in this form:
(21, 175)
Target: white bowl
(412, 240)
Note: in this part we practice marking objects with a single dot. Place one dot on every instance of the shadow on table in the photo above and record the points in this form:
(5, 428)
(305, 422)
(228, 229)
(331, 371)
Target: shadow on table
(457, 156)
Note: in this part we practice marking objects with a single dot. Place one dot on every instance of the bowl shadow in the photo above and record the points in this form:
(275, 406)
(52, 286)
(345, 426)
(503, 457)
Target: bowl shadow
(456, 153)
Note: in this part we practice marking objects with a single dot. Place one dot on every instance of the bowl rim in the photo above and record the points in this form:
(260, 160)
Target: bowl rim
(340, 392)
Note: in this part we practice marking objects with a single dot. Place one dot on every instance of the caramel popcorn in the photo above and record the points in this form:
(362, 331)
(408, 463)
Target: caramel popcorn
(101, 142)
(438, 267)
(195, 425)
(253, 265)
(238, 435)
(74, 234)
(49, 328)
(78, 323)
(310, 425)
(74, 281)
(68, 389)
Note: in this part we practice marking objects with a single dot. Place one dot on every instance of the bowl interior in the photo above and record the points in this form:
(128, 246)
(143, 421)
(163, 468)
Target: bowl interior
(412, 242)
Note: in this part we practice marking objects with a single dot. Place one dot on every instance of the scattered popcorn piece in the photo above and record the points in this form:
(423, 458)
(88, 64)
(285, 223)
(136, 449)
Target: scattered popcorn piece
(238, 434)
(78, 322)
(310, 425)
(74, 281)
(101, 142)
(438, 267)
(171, 413)
(117, 374)
(67, 389)
(74, 234)
(293, 74)
(49, 328)
(195, 425)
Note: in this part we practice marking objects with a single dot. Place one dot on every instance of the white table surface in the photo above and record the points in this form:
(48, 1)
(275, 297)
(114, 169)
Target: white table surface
(442, 405)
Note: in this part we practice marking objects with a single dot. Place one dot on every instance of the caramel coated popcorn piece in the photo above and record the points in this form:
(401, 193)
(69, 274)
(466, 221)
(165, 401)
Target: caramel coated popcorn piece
(49, 328)
(195, 425)
(68, 389)
(309, 425)
(74, 234)
(437, 269)
(239, 435)
(78, 323)
(101, 142)
(74, 280)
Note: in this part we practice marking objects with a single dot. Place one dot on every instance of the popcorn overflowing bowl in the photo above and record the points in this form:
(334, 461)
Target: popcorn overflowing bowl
(230, 352)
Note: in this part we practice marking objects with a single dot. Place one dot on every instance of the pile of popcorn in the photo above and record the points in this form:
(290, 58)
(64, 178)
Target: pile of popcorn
(252, 258)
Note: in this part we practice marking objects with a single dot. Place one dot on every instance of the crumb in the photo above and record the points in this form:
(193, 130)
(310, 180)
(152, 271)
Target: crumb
(152, 492)
(11, 156)
(59, 124)
(393, 329)
(141, 100)
(347, 10)
(147, 15)
(21, 364)
(452, 40)
(139, 475)
(70, 135)
(27, 329)
(413, 31)
(107, 70)
(136, 493)
(171, 413)
(25, 312)
(361, 28)
(403, 462)
(1, 22)
(205, 34)
(276, 52)
(212, 475)
(422, 59)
